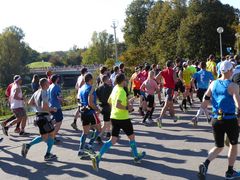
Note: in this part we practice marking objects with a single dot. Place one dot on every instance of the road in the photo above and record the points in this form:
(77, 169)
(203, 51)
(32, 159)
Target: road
(173, 153)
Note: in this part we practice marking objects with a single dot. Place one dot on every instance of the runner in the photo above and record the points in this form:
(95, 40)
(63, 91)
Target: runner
(103, 92)
(55, 100)
(203, 79)
(169, 79)
(211, 65)
(46, 129)
(35, 83)
(89, 118)
(114, 74)
(17, 106)
(103, 71)
(80, 82)
(224, 95)
(149, 87)
(120, 120)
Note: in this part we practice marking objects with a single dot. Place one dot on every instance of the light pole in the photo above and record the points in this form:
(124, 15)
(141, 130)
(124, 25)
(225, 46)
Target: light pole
(220, 31)
(237, 36)
(114, 26)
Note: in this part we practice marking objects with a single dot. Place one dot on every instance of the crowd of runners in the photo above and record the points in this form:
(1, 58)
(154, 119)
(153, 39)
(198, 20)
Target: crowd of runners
(113, 94)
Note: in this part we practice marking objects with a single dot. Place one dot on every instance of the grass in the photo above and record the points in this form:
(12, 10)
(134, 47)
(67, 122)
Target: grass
(36, 65)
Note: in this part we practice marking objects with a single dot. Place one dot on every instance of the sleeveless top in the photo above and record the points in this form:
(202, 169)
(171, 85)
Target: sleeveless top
(14, 102)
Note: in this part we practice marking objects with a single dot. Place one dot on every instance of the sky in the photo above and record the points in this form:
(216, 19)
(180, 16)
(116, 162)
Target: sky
(52, 25)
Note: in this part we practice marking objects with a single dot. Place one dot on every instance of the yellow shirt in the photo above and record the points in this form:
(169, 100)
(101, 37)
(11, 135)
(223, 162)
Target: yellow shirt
(187, 75)
(211, 65)
(118, 94)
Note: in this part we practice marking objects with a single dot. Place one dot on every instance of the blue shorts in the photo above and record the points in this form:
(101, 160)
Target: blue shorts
(58, 116)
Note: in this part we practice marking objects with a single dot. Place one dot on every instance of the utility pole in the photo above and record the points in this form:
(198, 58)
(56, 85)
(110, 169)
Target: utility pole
(114, 26)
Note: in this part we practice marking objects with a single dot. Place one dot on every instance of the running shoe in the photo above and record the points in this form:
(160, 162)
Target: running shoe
(82, 154)
(232, 175)
(57, 141)
(5, 131)
(89, 149)
(17, 130)
(175, 119)
(194, 121)
(1, 139)
(95, 162)
(202, 171)
(146, 123)
(49, 157)
(23, 133)
(140, 156)
(209, 120)
(150, 120)
(159, 122)
(25, 148)
(74, 126)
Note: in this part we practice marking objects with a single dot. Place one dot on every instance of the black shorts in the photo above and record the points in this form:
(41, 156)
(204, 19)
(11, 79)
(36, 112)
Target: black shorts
(230, 127)
(168, 94)
(200, 94)
(58, 116)
(44, 124)
(179, 87)
(136, 92)
(106, 112)
(125, 125)
(88, 119)
(150, 101)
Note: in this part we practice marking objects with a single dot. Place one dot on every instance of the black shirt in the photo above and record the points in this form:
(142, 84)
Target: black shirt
(103, 93)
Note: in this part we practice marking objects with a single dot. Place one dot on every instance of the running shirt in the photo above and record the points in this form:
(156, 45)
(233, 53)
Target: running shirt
(54, 91)
(211, 65)
(14, 103)
(150, 86)
(118, 94)
(144, 75)
(222, 100)
(168, 81)
(103, 92)
(113, 77)
(187, 76)
(136, 81)
(8, 90)
(203, 78)
(40, 97)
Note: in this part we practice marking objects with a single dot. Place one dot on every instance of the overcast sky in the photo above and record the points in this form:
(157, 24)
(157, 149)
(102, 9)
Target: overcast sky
(51, 25)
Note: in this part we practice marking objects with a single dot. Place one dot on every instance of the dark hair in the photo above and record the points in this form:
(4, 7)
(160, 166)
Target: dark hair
(104, 78)
(54, 78)
(169, 63)
(196, 63)
(153, 66)
(121, 66)
(43, 81)
(103, 69)
(147, 67)
(119, 78)
(84, 71)
(35, 78)
(116, 69)
(203, 64)
(88, 77)
(178, 60)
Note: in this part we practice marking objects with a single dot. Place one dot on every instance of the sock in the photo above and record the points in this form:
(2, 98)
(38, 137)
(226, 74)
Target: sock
(151, 112)
(82, 141)
(146, 116)
(36, 140)
(230, 169)
(50, 143)
(206, 163)
(18, 125)
(94, 137)
(75, 121)
(104, 148)
(189, 100)
(134, 148)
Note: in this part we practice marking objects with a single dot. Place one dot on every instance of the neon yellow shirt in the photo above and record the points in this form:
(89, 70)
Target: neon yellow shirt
(118, 94)
(211, 65)
(187, 75)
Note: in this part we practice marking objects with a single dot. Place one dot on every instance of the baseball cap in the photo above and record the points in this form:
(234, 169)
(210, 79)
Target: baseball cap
(226, 66)
(17, 78)
(185, 64)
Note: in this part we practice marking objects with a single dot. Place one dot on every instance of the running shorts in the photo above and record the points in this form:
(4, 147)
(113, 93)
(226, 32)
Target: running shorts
(58, 116)
(19, 112)
(179, 87)
(44, 124)
(89, 119)
(125, 125)
(136, 92)
(150, 101)
(168, 94)
(200, 94)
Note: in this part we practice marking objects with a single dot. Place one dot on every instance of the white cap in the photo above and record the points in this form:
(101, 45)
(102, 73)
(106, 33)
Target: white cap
(225, 66)
(185, 64)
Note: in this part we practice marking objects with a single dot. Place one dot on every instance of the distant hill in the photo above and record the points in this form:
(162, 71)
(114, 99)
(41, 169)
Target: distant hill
(36, 65)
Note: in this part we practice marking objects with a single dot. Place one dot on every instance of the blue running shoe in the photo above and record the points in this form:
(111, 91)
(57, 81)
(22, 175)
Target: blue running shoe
(232, 175)
(141, 155)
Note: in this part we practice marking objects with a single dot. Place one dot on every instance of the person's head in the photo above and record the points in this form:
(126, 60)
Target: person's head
(189, 62)
(196, 63)
(151, 74)
(35, 78)
(84, 71)
(105, 79)
(178, 61)
(211, 57)
(55, 78)
(147, 67)
(120, 80)
(153, 66)
(88, 78)
(17, 79)
(121, 67)
(203, 65)
(49, 73)
(185, 64)
(103, 70)
(169, 64)
(158, 66)
(116, 69)
(226, 69)
(44, 84)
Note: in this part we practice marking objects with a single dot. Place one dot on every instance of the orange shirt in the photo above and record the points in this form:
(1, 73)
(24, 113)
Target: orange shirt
(136, 82)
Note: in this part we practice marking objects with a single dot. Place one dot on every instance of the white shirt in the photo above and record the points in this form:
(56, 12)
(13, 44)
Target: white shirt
(14, 103)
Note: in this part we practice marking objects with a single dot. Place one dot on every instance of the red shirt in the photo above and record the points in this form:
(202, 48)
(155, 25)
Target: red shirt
(143, 76)
(8, 90)
(168, 81)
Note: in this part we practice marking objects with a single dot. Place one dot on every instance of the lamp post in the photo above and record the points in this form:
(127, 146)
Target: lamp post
(237, 35)
(220, 31)
(114, 26)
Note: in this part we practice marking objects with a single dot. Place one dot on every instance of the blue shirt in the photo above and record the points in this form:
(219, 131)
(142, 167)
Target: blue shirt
(85, 91)
(54, 91)
(222, 100)
(203, 78)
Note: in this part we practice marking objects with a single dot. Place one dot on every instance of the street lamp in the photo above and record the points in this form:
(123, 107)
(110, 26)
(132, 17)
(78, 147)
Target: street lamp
(114, 26)
(237, 35)
(220, 31)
